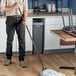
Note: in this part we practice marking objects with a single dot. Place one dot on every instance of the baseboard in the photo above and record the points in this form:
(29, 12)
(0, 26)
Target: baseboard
(59, 51)
(17, 53)
(45, 52)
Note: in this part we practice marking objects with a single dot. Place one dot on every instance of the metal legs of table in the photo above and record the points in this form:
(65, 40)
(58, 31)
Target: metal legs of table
(75, 49)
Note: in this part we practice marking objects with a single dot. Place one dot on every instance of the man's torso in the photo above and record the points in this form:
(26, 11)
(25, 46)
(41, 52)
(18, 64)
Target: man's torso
(11, 3)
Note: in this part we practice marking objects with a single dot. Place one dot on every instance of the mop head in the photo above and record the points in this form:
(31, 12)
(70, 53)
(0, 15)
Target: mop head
(49, 72)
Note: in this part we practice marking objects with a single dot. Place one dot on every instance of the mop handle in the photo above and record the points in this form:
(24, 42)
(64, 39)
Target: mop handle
(33, 42)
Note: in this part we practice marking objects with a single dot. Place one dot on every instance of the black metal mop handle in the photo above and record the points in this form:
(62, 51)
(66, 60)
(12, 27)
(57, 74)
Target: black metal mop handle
(35, 48)
(43, 67)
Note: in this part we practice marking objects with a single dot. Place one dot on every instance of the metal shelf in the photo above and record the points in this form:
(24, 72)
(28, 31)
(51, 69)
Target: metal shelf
(37, 5)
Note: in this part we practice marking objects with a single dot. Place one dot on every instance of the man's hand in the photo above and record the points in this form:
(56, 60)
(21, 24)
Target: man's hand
(16, 5)
(10, 8)
(24, 22)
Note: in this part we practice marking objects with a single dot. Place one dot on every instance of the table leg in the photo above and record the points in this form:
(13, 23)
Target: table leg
(75, 49)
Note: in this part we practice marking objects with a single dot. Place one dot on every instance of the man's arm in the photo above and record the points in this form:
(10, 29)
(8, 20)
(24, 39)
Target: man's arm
(10, 8)
(25, 14)
(25, 11)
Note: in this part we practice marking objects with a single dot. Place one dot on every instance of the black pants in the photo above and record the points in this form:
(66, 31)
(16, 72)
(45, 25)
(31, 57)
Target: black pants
(12, 24)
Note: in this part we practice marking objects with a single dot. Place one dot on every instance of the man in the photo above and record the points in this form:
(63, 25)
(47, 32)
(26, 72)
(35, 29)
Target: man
(15, 22)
